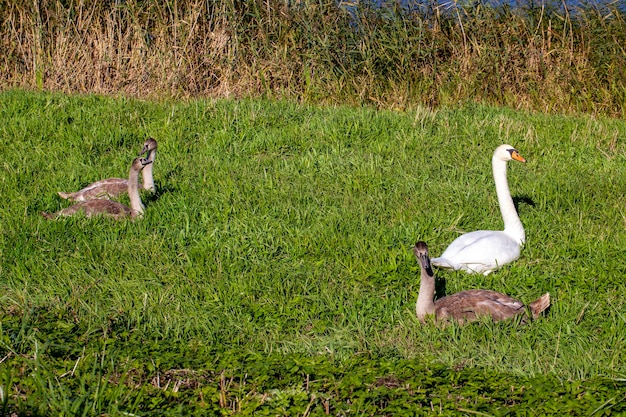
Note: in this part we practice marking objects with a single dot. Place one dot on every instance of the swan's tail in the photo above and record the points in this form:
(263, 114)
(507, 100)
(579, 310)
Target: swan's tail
(442, 263)
(539, 305)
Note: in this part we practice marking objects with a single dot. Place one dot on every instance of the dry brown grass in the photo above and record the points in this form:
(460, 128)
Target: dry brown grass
(318, 52)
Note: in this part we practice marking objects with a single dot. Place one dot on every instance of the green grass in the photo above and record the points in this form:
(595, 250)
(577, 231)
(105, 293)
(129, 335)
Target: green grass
(272, 272)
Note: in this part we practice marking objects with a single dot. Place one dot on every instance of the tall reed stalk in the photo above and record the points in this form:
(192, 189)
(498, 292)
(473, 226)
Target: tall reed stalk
(321, 51)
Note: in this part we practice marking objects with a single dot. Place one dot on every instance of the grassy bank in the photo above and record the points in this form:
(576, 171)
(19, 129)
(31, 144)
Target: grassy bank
(272, 271)
(321, 52)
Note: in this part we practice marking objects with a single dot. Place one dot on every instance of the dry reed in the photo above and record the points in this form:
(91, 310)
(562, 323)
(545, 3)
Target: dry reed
(319, 51)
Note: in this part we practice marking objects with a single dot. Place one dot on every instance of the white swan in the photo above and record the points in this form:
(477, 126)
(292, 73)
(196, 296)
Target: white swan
(470, 305)
(483, 251)
(110, 208)
(114, 187)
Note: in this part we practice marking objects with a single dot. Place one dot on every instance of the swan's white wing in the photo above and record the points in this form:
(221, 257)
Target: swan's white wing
(481, 251)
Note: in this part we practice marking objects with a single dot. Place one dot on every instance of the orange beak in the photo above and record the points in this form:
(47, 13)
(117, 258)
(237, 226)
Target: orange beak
(515, 155)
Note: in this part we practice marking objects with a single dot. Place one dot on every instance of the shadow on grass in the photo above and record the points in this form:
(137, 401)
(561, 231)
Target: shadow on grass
(523, 199)
(440, 288)
(161, 190)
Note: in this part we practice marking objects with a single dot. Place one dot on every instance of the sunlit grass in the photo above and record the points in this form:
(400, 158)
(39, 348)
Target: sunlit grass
(280, 229)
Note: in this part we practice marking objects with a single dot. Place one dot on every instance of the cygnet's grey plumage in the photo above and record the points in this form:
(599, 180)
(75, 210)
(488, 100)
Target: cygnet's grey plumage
(110, 208)
(114, 187)
(467, 305)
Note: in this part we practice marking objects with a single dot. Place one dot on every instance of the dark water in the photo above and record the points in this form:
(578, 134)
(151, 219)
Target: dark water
(559, 6)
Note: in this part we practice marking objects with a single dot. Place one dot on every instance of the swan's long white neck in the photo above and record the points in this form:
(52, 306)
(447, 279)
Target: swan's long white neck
(512, 224)
(146, 173)
(133, 192)
(425, 304)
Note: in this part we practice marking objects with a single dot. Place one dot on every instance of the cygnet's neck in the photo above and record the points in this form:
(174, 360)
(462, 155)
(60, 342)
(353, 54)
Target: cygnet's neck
(133, 192)
(146, 173)
(425, 304)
